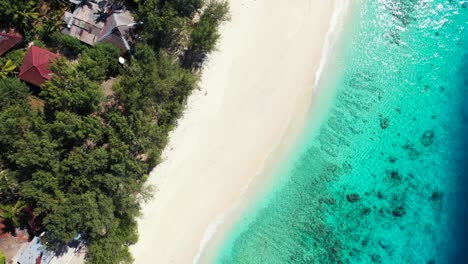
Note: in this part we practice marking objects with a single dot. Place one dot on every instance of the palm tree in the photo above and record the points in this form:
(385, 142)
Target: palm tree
(20, 14)
(53, 19)
(6, 68)
(107, 8)
(11, 213)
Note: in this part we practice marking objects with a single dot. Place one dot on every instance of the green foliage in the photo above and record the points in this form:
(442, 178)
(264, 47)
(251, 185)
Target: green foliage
(73, 129)
(7, 67)
(205, 33)
(155, 84)
(114, 245)
(25, 16)
(10, 64)
(71, 90)
(11, 213)
(16, 56)
(185, 8)
(100, 62)
(162, 26)
(20, 14)
(153, 92)
(81, 163)
(8, 187)
(52, 22)
(39, 43)
(12, 92)
(65, 44)
(95, 221)
(2, 258)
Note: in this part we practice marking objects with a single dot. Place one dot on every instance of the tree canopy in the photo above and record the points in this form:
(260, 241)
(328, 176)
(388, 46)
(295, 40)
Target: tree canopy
(78, 165)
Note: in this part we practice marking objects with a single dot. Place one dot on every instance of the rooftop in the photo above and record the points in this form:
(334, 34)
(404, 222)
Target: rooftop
(9, 40)
(36, 66)
(94, 22)
(35, 253)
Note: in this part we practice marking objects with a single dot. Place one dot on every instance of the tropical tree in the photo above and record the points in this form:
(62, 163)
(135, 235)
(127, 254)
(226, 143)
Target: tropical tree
(76, 167)
(100, 62)
(20, 14)
(162, 27)
(71, 90)
(6, 68)
(11, 213)
(16, 56)
(65, 44)
(185, 8)
(53, 20)
(205, 33)
(12, 92)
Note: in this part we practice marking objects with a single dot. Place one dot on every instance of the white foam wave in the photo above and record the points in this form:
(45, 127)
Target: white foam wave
(336, 22)
(209, 233)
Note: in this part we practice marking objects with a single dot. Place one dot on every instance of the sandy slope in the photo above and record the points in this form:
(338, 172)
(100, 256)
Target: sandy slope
(261, 76)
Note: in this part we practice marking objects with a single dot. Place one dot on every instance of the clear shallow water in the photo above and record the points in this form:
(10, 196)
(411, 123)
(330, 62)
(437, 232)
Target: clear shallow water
(382, 179)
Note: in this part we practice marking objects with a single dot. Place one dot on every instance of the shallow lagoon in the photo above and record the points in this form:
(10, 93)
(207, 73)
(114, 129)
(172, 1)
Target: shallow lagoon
(378, 181)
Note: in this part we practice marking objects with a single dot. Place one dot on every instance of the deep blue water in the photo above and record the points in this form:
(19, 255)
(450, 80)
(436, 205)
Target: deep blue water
(460, 228)
(384, 177)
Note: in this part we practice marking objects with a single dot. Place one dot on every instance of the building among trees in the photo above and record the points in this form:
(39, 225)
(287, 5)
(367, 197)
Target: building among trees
(68, 152)
(35, 252)
(98, 21)
(9, 40)
(36, 66)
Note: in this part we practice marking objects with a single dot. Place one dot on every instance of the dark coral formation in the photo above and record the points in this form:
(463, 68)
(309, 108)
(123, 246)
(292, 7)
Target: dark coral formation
(437, 196)
(413, 152)
(427, 138)
(394, 175)
(384, 122)
(353, 197)
(399, 211)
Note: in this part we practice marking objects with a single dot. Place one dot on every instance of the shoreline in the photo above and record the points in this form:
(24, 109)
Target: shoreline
(235, 127)
(279, 159)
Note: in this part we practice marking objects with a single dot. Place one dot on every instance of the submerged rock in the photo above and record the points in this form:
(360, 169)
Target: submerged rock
(395, 175)
(436, 196)
(413, 153)
(353, 197)
(392, 159)
(327, 200)
(366, 211)
(365, 242)
(380, 195)
(384, 122)
(393, 37)
(376, 258)
(383, 244)
(399, 212)
(427, 138)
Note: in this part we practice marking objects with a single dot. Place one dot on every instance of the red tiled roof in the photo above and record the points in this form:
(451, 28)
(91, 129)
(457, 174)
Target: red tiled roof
(8, 41)
(36, 66)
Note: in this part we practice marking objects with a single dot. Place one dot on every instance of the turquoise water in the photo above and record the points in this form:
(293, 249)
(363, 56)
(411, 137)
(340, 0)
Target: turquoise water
(380, 180)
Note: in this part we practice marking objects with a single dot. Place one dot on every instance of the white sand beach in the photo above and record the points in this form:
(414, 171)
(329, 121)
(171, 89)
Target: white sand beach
(254, 95)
